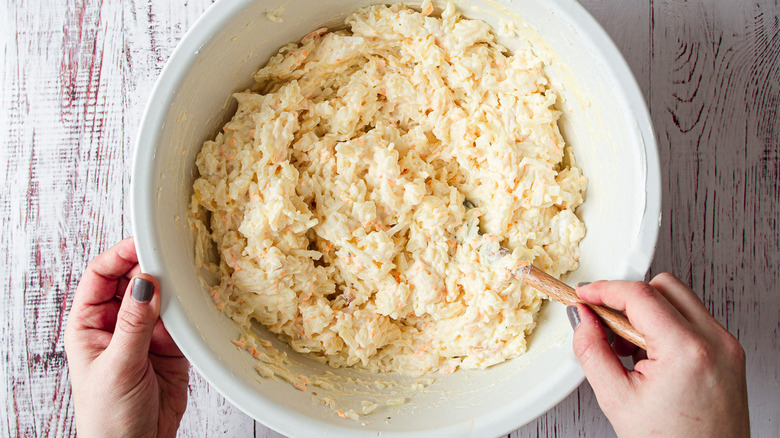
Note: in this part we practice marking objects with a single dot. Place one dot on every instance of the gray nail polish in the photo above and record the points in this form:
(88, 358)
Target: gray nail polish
(142, 290)
(583, 283)
(574, 316)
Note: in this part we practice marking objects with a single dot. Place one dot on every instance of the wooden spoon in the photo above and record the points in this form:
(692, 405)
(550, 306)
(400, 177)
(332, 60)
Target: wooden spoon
(560, 291)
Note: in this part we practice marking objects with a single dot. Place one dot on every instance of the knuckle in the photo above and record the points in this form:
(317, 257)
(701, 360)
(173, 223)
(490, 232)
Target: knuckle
(584, 348)
(642, 290)
(665, 278)
(739, 355)
(699, 352)
(72, 335)
(132, 321)
(93, 263)
(703, 355)
(667, 281)
(580, 348)
(734, 350)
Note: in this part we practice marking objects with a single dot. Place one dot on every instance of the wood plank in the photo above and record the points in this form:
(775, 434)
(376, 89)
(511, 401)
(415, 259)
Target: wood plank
(75, 79)
(715, 90)
(264, 432)
(209, 414)
(52, 214)
(77, 84)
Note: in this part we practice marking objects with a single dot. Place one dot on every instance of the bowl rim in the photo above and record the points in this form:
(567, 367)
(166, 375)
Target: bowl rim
(190, 341)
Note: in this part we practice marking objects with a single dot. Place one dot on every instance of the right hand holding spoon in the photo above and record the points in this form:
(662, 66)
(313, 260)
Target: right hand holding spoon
(691, 381)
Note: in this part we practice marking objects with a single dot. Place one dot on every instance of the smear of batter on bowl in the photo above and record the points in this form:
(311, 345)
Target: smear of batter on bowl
(335, 195)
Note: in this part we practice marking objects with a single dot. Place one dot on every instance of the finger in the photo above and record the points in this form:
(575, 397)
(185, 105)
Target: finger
(682, 298)
(99, 282)
(135, 323)
(602, 367)
(647, 310)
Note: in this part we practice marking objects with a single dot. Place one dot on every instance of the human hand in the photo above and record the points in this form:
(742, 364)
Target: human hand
(129, 378)
(690, 382)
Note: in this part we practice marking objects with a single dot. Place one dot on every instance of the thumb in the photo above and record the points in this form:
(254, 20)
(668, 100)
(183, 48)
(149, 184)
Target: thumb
(602, 366)
(135, 323)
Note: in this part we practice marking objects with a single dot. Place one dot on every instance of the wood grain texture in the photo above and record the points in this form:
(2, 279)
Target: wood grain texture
(714, 98)
(75, 79)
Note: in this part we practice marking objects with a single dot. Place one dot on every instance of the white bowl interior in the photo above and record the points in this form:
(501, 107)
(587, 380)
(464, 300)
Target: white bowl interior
(605, 121)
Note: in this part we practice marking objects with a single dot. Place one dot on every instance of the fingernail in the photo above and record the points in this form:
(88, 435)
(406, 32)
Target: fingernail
(142, 290)
(583, 283)
(574, 316)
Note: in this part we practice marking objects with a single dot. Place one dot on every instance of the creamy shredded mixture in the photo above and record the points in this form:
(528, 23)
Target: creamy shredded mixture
(360, 195)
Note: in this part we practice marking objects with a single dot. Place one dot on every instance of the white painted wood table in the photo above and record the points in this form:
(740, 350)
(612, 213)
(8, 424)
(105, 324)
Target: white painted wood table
(75, 78)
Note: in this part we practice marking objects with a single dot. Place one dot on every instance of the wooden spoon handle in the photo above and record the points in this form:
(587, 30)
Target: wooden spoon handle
(558, 290)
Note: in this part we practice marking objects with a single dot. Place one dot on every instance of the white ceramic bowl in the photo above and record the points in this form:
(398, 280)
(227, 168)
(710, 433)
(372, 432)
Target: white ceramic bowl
(605, 120)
